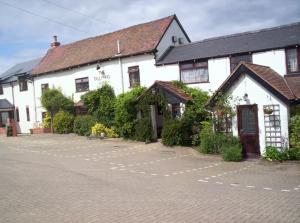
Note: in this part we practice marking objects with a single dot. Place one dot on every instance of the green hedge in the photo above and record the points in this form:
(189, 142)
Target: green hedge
(272, 153)
(126, 112)
(63, 122)
(143, 130)
(83, 125)
(171, 133)
(232, 152)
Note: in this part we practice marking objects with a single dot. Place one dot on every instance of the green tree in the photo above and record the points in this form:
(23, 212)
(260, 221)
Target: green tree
(126, 112)
(101, 104)
(54, 101)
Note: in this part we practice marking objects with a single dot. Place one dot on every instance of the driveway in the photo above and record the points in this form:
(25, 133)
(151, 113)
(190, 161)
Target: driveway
(66, 178)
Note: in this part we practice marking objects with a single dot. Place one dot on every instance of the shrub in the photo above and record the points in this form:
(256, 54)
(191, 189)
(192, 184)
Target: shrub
(176, 132)
(273, 153)
(232, 152)
(211, 142)
(99, 128)
(63, 122)
(292, 154)
(143, 130)
(83, 125)
(295, 132)
(101, 104)
(171, 133)
(54, 101)
(47, 121)
(126, 112)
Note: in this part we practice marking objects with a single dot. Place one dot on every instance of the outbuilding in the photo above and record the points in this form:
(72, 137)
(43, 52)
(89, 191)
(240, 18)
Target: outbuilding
(261, 100)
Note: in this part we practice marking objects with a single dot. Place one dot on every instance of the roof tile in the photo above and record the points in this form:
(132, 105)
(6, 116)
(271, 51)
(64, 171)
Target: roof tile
(138, 39)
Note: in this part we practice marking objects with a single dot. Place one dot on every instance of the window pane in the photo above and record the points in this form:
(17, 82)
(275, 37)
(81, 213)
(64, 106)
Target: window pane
(292, 63)
(194, 75)
(82, 84)
(186, 66)
(134, 76)
(236, 59)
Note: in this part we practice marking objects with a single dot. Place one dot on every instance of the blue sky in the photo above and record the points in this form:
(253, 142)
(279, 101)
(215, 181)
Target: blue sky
(24, 36)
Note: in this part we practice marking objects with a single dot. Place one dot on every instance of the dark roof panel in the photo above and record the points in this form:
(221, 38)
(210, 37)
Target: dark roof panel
(5, 104)
(20, 68)
(272, 38)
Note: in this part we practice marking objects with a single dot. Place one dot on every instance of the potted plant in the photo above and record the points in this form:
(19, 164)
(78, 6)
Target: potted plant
(268, 110)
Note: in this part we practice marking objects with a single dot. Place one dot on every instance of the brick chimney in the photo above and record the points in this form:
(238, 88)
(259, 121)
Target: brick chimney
(55, 43)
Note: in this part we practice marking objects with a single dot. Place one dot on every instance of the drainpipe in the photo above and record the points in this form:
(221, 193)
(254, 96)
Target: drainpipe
(121, 71)
(120, 64)
(12, 93)
(34, 101)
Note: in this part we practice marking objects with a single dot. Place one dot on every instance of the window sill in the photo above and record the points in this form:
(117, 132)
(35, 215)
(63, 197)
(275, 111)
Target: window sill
(200, 82)
(81, 91)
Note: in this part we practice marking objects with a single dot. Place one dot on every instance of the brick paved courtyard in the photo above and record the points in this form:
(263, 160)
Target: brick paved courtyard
(66, 178)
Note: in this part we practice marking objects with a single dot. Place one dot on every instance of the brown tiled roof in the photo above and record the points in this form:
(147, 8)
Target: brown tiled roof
(168, 86)
(138, 39)
(175, 90)
(272, 78)
(265, 76)
(293, 82)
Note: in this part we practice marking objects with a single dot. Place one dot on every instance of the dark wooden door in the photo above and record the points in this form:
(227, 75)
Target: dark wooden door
(248, 128)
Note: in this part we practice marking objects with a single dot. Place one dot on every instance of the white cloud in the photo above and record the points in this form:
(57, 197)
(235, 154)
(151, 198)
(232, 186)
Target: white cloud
(24, 36)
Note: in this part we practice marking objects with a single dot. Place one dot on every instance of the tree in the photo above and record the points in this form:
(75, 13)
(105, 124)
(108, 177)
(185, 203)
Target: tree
(101, 104)
(54, 101)
(126, 112)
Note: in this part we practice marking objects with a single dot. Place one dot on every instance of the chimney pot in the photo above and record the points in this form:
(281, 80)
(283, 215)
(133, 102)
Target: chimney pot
(55, 43)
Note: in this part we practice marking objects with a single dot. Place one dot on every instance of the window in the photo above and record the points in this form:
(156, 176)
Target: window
(17, 114)
(44, 87)
(1, 89)
(82, 84)
(27, 114)
(292, 60)
(134, 76)
(236, 59)
(194, 72)
(23, 84)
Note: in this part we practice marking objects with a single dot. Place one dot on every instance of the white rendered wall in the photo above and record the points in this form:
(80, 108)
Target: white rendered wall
(272, 58)
(21, 99)
(260, 96)
(66, 80)
(166, 41)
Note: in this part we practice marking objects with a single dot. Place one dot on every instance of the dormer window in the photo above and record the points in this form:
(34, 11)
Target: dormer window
(292, 60)
(23, 84)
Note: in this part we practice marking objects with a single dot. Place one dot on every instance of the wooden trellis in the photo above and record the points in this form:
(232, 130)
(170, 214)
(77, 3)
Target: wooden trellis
(272, 126)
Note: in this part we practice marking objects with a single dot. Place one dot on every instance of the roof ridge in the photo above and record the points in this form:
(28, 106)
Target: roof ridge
(240, 34)
(116, 31)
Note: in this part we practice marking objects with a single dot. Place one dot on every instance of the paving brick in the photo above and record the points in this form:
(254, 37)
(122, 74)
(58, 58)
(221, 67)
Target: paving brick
(66, 178)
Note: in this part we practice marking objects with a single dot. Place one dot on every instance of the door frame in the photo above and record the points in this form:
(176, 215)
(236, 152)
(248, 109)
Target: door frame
(255, 107)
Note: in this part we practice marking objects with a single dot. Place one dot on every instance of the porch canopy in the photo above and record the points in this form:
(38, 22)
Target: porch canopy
(171, 93)
(5, 105)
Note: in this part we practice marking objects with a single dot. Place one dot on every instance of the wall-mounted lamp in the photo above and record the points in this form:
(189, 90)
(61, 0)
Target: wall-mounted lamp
(246, 98)
(98, 67)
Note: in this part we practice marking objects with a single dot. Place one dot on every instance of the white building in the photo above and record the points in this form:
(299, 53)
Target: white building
(206, 64)
(123, 59)
(144, 53)
(261, 99)
(17, 88)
